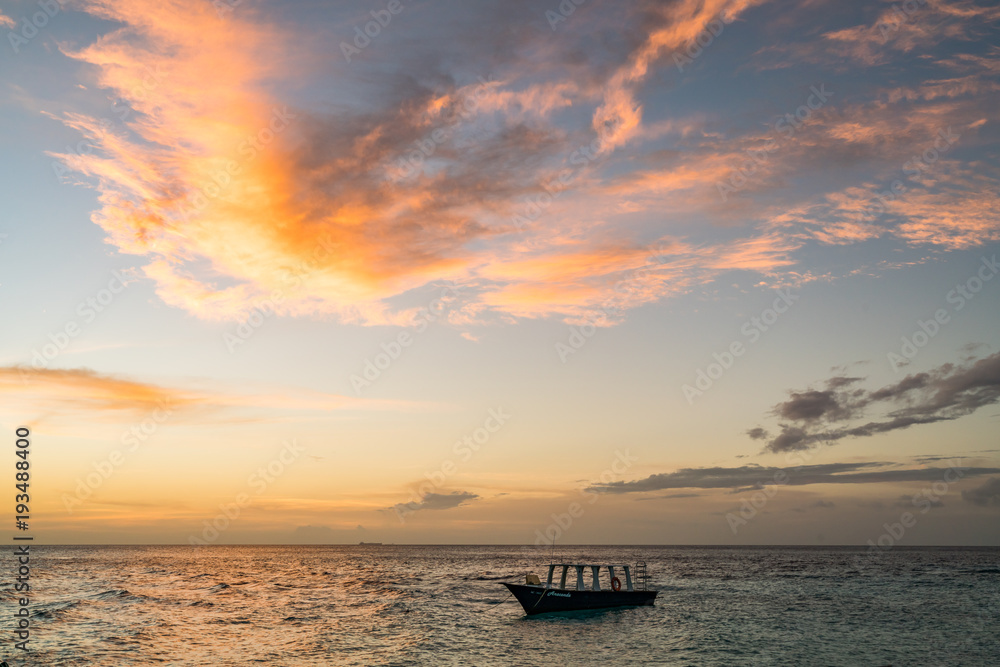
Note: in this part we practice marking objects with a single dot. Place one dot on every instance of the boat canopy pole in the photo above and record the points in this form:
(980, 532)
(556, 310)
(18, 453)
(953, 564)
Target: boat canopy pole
(596, 571)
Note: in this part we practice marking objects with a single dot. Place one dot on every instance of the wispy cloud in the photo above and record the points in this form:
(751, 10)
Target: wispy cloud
(103, 396)
(894, 29)
(85, 389)
(673, 26)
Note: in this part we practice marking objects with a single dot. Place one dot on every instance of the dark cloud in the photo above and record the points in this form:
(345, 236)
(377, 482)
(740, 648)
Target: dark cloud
(842, 381)
(932, 458)
(672, 495)
(987, 495)
(754, 477)
(757, 433)
(901, 388)
(435, 501)
(809, 406)
(947, 392)
(837, 402)
(445, 501)
(789, 439)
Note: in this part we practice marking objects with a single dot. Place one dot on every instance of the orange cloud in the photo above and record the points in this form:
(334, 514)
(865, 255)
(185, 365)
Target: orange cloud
(619, 118)
(210, 186)
(236, 198)
(953, 220)
(100, 395)
(597, 285)
(578, 282)
(901, 28)
(952, 208)
(88, 390)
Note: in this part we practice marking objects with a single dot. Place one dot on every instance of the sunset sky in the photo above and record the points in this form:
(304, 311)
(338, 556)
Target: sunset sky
(692, 272)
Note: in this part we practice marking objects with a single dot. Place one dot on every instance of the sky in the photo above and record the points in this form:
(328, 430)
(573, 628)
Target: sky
(690, 272)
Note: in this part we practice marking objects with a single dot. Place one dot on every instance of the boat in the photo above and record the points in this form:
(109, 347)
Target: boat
(539, 598)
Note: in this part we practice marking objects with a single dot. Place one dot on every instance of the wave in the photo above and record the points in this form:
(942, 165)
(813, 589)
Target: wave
(54, 609)
(119, 594)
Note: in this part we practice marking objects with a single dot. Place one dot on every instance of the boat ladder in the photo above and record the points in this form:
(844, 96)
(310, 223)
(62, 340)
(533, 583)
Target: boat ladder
(641, 576)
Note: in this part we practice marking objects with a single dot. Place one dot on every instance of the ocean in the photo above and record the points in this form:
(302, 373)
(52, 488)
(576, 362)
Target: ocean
(444, 605)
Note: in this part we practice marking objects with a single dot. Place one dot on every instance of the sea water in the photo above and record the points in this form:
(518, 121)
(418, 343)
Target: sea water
(444, 605)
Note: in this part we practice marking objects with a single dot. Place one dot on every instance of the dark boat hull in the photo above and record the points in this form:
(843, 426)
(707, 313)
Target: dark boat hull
(539, 600)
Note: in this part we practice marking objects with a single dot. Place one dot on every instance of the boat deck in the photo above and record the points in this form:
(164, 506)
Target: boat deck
(538, 598)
